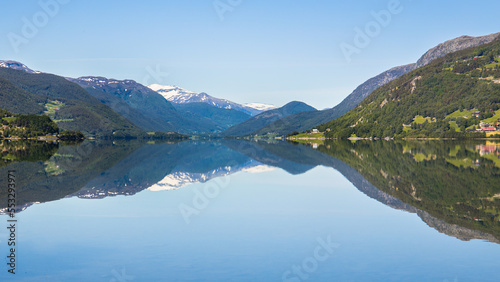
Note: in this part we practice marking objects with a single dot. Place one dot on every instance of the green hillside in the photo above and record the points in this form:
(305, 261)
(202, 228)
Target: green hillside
(19, 101)
(424, 102)
(133, 115)
(65, 102)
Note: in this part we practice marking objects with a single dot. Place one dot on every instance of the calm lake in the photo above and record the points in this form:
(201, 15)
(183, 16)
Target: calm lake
(232, 210)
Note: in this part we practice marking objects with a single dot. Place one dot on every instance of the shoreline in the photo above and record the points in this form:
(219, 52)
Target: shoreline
(392, 138)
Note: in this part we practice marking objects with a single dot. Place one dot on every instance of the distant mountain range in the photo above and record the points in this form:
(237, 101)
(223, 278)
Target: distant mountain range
(143, 108)
(214, 119)
(152, 112)
(102, 106)
(253, 124)
(179, 95)
(137, 103)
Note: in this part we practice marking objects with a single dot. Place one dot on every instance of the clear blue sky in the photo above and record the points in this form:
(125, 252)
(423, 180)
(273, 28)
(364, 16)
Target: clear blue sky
(260, 51)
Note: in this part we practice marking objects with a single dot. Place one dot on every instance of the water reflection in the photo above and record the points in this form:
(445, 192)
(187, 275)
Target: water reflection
(452, 186)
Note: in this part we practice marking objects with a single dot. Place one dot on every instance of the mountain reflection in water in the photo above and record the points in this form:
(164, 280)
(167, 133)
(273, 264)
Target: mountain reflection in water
(452, 186)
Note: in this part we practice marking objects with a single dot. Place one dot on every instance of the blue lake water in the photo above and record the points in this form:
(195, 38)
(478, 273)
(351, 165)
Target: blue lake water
(247, 211)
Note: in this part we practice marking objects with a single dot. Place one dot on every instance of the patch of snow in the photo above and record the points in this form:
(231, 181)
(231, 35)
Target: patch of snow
(180, 95)
(260, 106)
(17, 66)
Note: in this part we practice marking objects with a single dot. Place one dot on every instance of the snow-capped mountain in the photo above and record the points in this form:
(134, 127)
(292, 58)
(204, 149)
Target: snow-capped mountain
(177, 180)
(260, 107)
(179, 95)
(16, 66)
(173, 93)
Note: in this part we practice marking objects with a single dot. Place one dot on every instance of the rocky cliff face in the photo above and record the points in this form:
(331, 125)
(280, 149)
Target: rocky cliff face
(365, 89)
(457, 231)
(457, 44)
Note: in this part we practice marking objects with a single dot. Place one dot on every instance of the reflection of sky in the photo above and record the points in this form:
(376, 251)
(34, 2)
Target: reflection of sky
(254, 230)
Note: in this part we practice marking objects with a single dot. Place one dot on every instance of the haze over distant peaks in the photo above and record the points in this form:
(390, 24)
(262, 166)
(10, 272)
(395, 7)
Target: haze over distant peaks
(257, 122)
(180, 95)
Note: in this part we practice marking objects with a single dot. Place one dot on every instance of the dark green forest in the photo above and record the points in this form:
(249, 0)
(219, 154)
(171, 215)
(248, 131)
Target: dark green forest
(26, 126)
